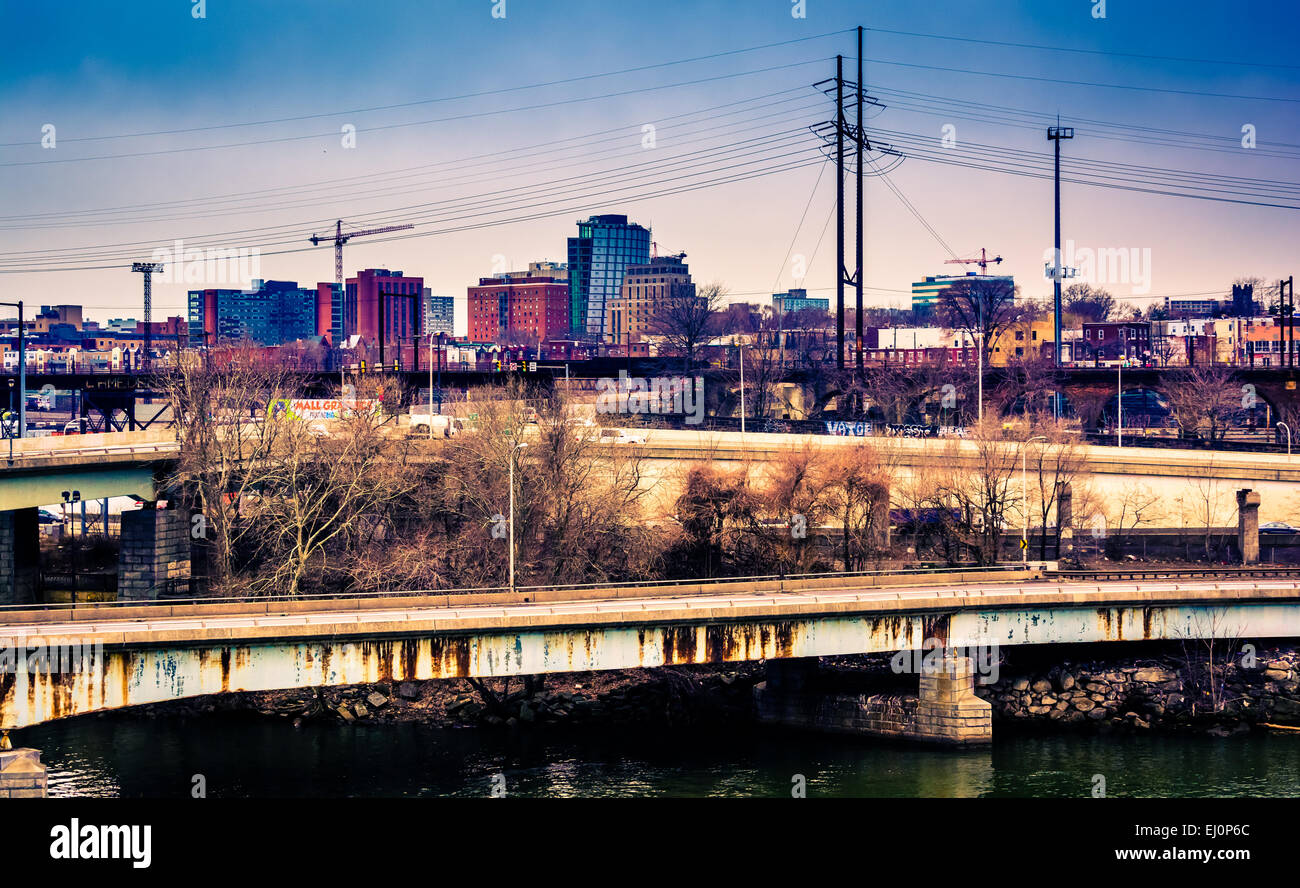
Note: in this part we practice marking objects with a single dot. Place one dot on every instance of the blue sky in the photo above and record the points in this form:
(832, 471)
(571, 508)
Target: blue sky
(94, 70)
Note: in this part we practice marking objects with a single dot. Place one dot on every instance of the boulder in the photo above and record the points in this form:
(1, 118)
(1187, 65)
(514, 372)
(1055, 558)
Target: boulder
(376, 699)
(1154, 675)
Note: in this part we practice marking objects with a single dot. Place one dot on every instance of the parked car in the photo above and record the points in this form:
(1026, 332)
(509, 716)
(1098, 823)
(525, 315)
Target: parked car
(45, 516)
(1278, 527)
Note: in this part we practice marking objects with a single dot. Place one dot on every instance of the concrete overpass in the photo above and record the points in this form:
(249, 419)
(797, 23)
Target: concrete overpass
(36, 471)
(149, 654)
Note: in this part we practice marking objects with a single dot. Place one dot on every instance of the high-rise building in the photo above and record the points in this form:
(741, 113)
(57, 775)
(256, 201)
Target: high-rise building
(598, 258)
(439, 314)
(270, 313)
(329, 311)
(798, 300)
(395, 296)
(645, 288)
(518, 310)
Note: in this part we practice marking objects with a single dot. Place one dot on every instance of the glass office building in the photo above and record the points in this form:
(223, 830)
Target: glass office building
(598, 258)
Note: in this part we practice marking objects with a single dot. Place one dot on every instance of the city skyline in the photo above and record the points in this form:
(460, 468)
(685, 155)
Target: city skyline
(752, 235)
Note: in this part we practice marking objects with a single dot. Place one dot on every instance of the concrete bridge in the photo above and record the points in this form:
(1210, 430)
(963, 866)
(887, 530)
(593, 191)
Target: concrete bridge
(130, 655)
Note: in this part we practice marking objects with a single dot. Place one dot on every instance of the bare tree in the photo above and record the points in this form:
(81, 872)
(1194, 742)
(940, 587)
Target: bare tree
(220, 406)
(982, 306)
(1087, 303)
(325, 489)
(1204, 398)
(685, 322)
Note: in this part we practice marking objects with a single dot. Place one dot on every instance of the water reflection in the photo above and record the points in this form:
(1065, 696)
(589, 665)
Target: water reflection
(120, 755)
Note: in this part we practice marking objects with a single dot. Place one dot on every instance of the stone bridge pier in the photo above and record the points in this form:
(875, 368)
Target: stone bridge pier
(944, 711)
(22, 776)
(19, 555)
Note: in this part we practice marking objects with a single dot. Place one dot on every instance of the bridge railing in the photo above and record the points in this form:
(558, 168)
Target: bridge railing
(1156, 573)
(528, 591)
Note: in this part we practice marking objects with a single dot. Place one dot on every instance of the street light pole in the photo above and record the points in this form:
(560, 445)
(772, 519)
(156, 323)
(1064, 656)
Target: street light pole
(1119, 404)
(979, 373)
(740, 349)
(431, 386)
(513, 449)
(1024, 498)
(1283, 425)
(22, 370)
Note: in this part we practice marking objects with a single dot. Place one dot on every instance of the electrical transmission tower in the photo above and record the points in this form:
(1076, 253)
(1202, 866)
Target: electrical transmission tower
(833, 134)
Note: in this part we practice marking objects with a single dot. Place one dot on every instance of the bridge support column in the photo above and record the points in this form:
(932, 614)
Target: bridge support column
(22, 776)
(154, 557)
(20, 555)
(946, 711)
(1248, 526)
(1064, 519)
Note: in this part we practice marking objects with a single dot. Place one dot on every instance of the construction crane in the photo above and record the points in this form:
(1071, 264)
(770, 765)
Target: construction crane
(147, 269)
(340, 238)
(983, 261)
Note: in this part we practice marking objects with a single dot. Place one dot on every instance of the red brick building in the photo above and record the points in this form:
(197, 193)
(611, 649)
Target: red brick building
(529, 309)
(402, 305)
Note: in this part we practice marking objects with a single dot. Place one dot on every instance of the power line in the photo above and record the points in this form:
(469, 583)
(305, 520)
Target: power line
(531, 149)
(1105, 52)
(332, 195)
(439, 99)
(392, 126)
(804, 215)
(724, 177)
(1125, 86)
(741, 149)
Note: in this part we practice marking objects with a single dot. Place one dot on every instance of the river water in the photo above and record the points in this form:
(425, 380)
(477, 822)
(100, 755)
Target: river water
(248, 757)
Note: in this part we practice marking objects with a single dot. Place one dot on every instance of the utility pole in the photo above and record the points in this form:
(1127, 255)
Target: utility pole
(859, 143)
(839, 212)
(1286, 308)
(147, 269)
(1055, 134)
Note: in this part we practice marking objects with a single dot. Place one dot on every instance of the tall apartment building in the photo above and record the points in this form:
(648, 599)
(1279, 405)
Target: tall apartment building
(927, 293)
(270, 313)
(376, 293)
(645, 288)
(329, 311)
(598, 258)
(439, 314)
(518, 310)
(797, 300)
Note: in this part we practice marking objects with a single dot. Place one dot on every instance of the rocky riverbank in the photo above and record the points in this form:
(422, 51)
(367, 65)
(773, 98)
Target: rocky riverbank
(1165, 691)
(1170, 693)
(673, 696)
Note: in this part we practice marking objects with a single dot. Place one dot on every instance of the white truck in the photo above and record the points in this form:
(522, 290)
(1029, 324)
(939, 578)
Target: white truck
(443, 425)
